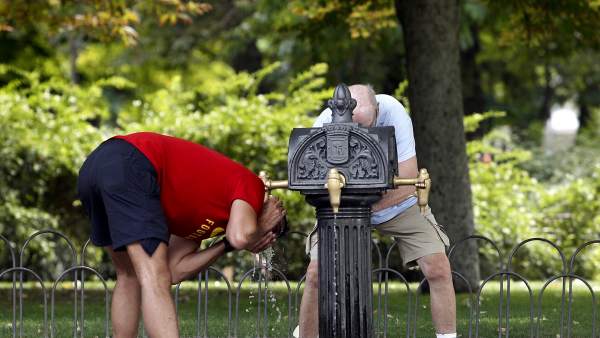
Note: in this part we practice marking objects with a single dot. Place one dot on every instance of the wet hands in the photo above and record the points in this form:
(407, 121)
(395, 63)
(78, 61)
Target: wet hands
(270, 223)
(271, 216)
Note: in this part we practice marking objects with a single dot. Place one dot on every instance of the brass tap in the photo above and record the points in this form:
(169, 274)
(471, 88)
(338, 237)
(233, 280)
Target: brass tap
(423, 185)
(335, 182)
(270, 185)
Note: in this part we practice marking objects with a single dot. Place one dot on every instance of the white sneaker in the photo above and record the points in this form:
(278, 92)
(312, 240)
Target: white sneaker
(296, 333)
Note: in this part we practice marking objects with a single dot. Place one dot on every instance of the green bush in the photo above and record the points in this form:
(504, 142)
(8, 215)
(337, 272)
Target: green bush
(510, 205)
(571, 217)
(45, 133)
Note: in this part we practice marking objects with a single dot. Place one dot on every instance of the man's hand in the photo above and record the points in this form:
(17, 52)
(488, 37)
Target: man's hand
(271, 215)
(268, 224)
(247, 231)
(264, 243)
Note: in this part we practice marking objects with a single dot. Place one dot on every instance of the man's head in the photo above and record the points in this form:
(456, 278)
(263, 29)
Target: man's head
(367, 109)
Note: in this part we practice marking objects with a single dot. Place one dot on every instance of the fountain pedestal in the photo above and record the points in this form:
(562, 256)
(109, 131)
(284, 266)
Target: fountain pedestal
(366, 158)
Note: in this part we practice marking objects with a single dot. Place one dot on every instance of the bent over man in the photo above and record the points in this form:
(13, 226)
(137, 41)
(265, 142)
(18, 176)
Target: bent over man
(420, 238)
(151, 200)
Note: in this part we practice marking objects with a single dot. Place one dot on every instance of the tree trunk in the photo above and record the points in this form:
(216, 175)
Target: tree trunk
(431, 39)
(74, 45)
(473, 97)
(472, 91)
(548, 93)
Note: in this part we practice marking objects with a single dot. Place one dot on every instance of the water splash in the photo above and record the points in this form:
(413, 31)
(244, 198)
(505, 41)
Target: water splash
(267, 258)
(263, 264)
(251, 293)
(267, 263)
(274, 306)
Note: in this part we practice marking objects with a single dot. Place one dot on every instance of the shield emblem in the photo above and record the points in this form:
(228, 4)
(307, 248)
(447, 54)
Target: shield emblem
(337, 149)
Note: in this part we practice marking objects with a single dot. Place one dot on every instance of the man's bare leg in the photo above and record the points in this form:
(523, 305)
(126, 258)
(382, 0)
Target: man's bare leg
(125, 306)
(309, 314)
(154, 277)
(436, 269)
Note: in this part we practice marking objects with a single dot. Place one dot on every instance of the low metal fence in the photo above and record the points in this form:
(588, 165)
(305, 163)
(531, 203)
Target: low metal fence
(383, 277)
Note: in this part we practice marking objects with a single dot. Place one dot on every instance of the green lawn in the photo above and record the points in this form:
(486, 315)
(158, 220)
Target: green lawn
(277, 311)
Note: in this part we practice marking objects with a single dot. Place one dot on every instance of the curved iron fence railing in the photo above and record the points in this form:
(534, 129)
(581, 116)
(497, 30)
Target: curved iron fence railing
(259, 279)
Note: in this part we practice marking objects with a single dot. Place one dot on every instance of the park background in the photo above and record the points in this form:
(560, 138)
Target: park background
(237, 76)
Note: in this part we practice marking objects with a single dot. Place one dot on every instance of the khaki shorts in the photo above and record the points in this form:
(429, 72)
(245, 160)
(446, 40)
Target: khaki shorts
(418, 235)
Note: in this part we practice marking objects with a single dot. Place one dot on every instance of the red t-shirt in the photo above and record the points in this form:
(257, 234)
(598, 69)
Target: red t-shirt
(197, 184)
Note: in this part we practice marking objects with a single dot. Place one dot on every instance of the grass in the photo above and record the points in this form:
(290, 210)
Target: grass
(278, 321)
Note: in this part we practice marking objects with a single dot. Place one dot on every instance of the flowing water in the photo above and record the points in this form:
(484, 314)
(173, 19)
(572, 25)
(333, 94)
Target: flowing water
(335, 270)
(267, 258)
(263, 264)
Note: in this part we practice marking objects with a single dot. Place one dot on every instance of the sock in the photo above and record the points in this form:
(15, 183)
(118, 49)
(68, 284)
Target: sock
(445, 335)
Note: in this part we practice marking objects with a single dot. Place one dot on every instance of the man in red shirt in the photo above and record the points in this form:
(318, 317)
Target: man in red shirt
(151, 200)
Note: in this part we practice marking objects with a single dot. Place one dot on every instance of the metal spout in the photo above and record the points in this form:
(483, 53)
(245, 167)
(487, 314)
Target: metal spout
(423, 185)
(335, 182)
(423, 192)
(270, 184)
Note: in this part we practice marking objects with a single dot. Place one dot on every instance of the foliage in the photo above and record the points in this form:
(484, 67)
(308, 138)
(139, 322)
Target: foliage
(98, 19)
(362, 17)
(510, 206)
(560, 25)
(504, 197)
(347, 35)
(48, 126)
(45, 133)
(546, 57)
(562, 167)
(572, 217)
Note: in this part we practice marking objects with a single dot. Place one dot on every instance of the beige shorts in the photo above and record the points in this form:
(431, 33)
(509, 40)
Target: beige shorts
(418, 235)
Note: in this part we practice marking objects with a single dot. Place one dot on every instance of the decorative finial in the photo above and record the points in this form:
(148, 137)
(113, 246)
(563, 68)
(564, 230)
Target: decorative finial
(342, 104)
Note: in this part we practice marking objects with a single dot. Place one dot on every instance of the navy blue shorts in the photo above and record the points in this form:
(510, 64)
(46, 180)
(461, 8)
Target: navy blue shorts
(119, 191)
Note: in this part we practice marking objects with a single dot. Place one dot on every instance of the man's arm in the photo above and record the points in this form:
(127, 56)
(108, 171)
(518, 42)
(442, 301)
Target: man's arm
(406, 169)
(244, 231)
(185, 261)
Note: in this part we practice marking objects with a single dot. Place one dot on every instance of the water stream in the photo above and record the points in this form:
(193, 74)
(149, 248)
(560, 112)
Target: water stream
(335, 270)
(263, 264)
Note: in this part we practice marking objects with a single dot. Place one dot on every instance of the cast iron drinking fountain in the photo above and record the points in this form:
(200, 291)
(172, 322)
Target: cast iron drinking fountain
(342, 169)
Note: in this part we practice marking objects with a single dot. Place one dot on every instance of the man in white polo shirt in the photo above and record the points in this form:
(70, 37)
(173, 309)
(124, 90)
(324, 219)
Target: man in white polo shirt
(421, 240)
